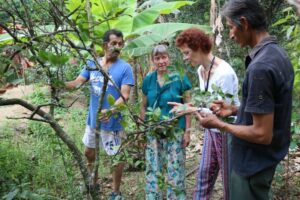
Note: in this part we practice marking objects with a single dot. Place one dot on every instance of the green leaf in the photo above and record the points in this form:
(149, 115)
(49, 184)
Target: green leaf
(144, 41)
(58, 83)
(214, 87)
(5, 38)
(293, 145)
(138, 51)
(168, 7)
(121, 107)
(58, 59)
(141, 45)
(138, 163)
(53, 58)
(111, 100)
(282, 21)
(144, 18)
(290, 8)
(12, 195)
(43, 55)
(153, 34)
(148, 16)
(124, 123)
(167, 30)
(289, 32)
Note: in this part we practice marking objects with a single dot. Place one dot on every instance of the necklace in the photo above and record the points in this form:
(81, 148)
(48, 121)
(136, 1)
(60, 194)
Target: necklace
(211, 65)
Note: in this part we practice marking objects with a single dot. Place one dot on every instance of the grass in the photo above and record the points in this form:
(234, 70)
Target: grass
(35, 164)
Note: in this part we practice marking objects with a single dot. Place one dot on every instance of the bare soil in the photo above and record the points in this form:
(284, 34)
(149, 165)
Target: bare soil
(15, 110)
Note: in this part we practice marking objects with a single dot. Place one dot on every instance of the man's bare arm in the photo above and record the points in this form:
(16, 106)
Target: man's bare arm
(260, 132)
(75, 83)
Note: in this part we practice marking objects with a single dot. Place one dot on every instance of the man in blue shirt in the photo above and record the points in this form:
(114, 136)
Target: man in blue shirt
(110, 129)
(261, 136)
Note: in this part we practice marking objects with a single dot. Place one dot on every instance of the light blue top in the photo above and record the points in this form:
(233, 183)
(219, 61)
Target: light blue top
(121, 73)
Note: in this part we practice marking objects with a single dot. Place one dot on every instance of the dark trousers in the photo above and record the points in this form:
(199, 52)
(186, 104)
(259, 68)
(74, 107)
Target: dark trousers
(255, 187)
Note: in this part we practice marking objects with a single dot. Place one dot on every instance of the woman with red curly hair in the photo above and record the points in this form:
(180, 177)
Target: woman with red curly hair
(196, 47)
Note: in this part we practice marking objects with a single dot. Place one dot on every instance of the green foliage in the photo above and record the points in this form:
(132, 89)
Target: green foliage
(203, 99)
(53, 58)
(148, 16)
(39, 96)
(295, 128)
(167, 129)
(290, 27)
(153, 34)
(120, 14)
(111, 100)
(27, 168)
(18, 170)
(130, 19)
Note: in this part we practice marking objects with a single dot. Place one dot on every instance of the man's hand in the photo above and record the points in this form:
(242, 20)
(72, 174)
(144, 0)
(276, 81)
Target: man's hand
(220, 108)
(186, 139)
(209, 120)
(105, 115)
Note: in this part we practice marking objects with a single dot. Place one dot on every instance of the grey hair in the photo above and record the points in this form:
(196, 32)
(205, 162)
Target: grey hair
(159, 49)
(250, 9)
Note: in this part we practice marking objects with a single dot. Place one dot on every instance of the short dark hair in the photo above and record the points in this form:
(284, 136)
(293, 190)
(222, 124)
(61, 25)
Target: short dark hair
(250, 9)
(111, 32)
(195, 39)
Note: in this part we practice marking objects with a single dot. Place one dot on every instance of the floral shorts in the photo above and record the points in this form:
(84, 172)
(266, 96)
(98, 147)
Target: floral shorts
(110, 141)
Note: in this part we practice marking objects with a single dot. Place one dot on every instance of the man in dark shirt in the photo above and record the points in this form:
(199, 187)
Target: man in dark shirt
(261, 135)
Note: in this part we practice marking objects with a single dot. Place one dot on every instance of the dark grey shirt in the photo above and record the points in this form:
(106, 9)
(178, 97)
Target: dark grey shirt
(267, 88)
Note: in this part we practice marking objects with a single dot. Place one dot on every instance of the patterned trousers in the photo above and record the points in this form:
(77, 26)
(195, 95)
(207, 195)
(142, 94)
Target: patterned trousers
(165, 156)
(214, 158)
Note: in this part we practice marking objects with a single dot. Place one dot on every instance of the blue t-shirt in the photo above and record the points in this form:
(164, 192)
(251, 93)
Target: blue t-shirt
(121, 73)
(160, 96)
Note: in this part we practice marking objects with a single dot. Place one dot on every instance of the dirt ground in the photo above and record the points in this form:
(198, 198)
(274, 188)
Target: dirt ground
(15, 110)
(130, 186)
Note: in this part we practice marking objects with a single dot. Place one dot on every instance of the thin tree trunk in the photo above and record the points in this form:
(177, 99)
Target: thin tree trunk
(97, 132)
(135, 93)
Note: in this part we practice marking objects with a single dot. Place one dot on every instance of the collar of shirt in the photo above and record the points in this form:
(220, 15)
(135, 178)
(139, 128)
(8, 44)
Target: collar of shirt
(258, 47)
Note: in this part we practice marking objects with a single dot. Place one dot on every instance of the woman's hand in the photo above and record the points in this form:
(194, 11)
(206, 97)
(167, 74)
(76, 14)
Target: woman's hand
(186, 139)
(182, 109)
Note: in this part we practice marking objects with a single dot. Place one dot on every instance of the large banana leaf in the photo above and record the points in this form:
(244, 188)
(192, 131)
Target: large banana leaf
(168, 7)
(141, 45)
(168, 29)
(148, 16)
(153, 34)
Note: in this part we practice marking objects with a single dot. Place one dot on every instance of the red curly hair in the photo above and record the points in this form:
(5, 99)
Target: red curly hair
(195, 39)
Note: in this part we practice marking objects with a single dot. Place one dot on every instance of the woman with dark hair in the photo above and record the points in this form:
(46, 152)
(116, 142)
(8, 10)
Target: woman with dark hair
(196, 47)
(165, 149)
